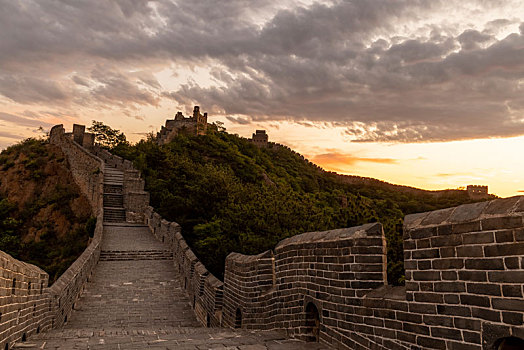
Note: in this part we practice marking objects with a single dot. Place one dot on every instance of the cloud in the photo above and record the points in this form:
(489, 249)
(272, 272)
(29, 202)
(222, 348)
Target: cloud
(336, 159)
(22, 121)
(238, 120)
(31, 90)
(388, 71)
(8, 135)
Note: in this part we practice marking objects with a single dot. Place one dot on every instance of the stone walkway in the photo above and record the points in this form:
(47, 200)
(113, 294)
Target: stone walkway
(135, 301)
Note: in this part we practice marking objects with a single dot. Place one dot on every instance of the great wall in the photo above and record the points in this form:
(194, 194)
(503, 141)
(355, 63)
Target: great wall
(464, 285)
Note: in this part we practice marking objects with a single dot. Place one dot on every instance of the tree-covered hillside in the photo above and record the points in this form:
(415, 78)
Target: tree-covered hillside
(228, 195)
(44, 220)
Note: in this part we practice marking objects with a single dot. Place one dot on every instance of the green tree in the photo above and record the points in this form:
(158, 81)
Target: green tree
(106, 136)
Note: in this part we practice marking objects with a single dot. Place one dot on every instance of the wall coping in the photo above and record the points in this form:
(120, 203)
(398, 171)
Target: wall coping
(512, 206)
(244, 258)
(363, 231)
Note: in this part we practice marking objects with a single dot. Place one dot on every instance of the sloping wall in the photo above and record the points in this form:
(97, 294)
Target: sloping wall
(27, 304)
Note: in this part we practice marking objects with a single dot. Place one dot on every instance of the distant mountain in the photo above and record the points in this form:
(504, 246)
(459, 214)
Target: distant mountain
(44, 220)
(230, 195)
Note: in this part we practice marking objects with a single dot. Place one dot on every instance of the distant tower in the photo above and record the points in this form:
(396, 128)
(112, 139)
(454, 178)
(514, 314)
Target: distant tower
(476, 192)
(260, 138)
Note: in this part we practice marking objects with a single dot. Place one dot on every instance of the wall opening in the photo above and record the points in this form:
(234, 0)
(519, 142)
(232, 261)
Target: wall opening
(14, 286)
(6, 347)
(38, 330)
(312, 323)
(238, 319)
(509, 343)
(24, 337)
(208, 321)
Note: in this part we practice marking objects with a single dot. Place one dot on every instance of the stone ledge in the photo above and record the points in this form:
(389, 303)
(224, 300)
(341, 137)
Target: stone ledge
(487, 214)
(363, 231)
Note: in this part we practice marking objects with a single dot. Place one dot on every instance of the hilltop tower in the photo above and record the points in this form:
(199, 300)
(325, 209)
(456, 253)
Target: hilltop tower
(260, 138)
(477, 192)
(194, 125)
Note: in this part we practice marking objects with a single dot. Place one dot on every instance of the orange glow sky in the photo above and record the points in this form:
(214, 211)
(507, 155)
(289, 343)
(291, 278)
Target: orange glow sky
(421, 93)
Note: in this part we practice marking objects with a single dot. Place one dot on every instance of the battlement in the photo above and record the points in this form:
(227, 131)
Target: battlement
(194, 125)
(84, 139)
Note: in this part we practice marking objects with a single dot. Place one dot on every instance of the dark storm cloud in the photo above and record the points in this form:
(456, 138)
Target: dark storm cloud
(332, 62)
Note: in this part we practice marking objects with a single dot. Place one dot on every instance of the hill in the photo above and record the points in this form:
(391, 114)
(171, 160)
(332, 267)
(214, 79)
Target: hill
(44, 220)
(229, 195)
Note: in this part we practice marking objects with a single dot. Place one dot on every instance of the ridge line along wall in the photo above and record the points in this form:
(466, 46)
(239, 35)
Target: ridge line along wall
(27, 304)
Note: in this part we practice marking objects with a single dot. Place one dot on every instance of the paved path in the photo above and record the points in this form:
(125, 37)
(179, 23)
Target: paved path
(135, 301)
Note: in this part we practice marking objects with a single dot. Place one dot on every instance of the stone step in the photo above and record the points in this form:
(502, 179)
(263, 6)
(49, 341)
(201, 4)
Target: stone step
(164, 338)
(113, 188)
(113, 200)
(119, 255)
(112, 214)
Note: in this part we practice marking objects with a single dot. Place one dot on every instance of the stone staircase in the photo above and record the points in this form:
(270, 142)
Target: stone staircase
(113, 195)
(119, 255)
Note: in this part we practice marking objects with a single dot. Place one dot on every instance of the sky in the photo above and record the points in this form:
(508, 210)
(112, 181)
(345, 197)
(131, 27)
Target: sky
(425, 93)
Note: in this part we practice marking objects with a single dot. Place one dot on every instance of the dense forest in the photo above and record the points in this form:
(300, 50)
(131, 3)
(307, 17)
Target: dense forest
(229, 195)
(44, 220)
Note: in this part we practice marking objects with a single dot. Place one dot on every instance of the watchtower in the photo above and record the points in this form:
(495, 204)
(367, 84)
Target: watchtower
(260, 138)
(477, 191)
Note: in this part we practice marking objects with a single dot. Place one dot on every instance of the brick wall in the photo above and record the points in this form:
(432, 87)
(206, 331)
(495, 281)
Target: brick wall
(464, 283)
(23, 300)
(27, 304)
(466, 266)
(88, 172)
(86, 168)
(204, 290)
